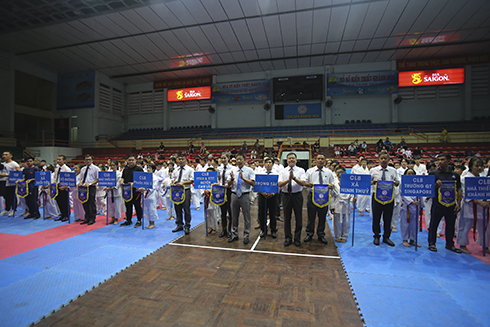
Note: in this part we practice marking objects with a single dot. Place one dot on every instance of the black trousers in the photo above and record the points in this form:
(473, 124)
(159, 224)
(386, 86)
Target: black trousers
(226, 213)
(184, 209)
(293, 202)
(313, 211)
(62, 200)
(136, 202)
(31, 200)
(271, 208)
(386, 211)
(89, 207)
(10, 198)
(437, 212)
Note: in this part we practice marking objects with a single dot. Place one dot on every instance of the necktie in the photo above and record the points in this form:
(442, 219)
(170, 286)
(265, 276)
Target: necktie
(58, 174)
(85, 175)
(290, 184)
(320, 177)
(112, 195)
(223, 176)
(239, 184)
(180, 175)
(384, 175)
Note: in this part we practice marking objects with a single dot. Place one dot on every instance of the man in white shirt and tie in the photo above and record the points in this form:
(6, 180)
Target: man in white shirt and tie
(62, 198)
(289, 181)
(224, 175)
(90, 177)
(241, 180)
(317, 175)
(183, 175)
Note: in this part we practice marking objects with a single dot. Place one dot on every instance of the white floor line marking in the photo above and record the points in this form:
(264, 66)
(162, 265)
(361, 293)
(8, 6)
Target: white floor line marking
(256, 251)
(255, 244)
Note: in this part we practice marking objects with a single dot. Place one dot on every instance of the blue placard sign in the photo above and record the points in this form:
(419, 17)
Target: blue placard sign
(142, 179)
(107, 179)
(355, 184)
(43, 178)
(68, 179)
(477, 188)
(266, 183)
(15, 176)
(418, 185)
(204, 179)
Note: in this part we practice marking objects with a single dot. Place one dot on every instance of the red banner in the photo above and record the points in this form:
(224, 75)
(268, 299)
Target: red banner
(431, 77)
(183, 82)
(188, 94)
(425, 63)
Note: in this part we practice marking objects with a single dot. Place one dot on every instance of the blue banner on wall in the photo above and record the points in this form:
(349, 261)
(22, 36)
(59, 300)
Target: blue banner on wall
(76, 90)
(362, 83)
(251, 91)
(303, 111)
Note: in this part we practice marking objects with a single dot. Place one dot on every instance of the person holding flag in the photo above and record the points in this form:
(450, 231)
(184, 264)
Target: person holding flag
(182, 178)
(131, 196)
(87, 189)
(271, 203)
(446, 203)
(320, 182)
(385, 179)
(28, 190)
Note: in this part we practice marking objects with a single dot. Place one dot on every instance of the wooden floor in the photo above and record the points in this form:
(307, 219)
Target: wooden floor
(187, 284)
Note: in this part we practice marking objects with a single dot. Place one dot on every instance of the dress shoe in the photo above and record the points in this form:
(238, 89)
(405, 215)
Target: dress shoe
(464, 249)
(58, 219)
(280, 219)
(274, 234)
(91, 222)
(64, 219)
(126, 223)
(246, 240)
(288, 242)
(262, 234)
(297, 242)
(388, 241)
(454, 249)
(84, 222)
(257, 227)
(177, 229)
(223, 234)
(376, 241)
(308, 238)
(37, 216)
(29, 217)
(186, 231)
(232, 239)
(138, 224)
(323, 239)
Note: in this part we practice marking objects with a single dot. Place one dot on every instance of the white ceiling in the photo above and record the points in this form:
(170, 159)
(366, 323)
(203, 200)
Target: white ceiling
(135, 41)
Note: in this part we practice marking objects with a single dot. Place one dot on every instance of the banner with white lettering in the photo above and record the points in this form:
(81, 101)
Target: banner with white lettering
(477, 188)
(418, 185)
(266, 183)
(355, 184)
(68, 179)
(385, 82)
(249, 91)
(15, 176)
(204, 179)
(107, 179)
(42, 178)
(142, 180)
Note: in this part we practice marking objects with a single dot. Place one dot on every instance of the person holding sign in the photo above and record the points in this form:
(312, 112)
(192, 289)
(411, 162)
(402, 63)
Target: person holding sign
(362, 169)
(151, 196)
(31, 190)
(408, 216)
(62, 198)
(271, 203)
(182, 178)
(341, 210)
(291, 180)
(472, 212)
(131, 196)
(212, 211)
(241, 186)
(385, 179)
(114, 195)
(8, 188)
(224, 172)
(78, 211)
(90, 175)
(446, 203)
(320, 182)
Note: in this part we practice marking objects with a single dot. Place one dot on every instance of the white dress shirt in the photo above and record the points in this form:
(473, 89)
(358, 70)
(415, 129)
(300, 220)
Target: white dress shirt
(92, 174)
(313, 176)
(248, 173)
(298, 172)
(187, 175)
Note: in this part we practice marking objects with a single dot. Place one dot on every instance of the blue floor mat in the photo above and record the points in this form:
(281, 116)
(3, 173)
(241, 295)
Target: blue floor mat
(39, 281)
(398, 286)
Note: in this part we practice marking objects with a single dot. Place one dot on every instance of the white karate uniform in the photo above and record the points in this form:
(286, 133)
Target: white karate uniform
(114, 208)
(168, 203)
(150, 201)
(78, 210)
(342, 212)
(100, 200)
(408, 229)
(50, 207)
(160, 174)
(213, 213)
(362, 200)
